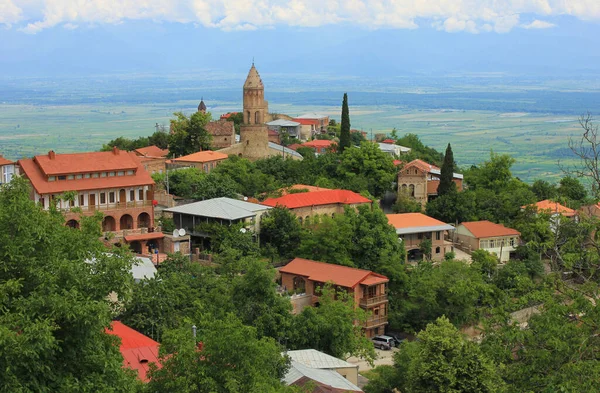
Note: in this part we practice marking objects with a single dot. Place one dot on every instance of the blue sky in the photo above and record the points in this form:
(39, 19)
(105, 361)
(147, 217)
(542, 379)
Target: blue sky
(337, 37)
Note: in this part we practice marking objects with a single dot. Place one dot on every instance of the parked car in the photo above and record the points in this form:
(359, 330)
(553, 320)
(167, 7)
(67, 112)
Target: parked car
(383, 342)
(397, 339)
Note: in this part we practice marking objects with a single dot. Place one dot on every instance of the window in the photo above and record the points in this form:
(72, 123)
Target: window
(130, 172)
(102, 198)
(111, 174)
(132, 195)
(438, 235)
(111, 197)
(62, 178)
(51, 178)
(141, 194)
(103, 174)
(120, 173)
(42, 202)
(95, 175)
(437, 250)
(420, 236)
(81, 200)
(79, 177)
(70, 177)
(87, 176)
(512, 241)
(205, 167)
(492, 243)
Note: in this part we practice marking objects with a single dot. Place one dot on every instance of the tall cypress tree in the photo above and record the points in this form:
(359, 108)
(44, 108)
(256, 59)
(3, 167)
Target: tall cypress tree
(447, 172)
(345, 140)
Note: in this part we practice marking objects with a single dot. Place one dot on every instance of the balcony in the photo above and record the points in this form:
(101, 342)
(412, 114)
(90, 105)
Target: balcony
(376, 321)
(111, 206)
(373, 300)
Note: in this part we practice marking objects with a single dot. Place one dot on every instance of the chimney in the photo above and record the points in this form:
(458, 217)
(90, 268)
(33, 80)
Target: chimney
(115, 151)
(51, 155)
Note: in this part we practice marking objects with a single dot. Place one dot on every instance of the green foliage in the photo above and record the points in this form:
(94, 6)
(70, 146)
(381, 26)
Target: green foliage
(357, 138)
(419, 150)
(189, 134)
(573, 191)
(159, 139)
(250, 180)
(345, 141)
(447, 184)
(366, 168)
(53, 304)
(195, 184)
(330, 327)
(237, 119)
(544, 190)
(425, 248)
(280, 229)
(406, 204)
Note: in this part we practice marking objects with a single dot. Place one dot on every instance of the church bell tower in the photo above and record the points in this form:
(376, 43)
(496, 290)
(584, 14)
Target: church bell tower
(254, 134)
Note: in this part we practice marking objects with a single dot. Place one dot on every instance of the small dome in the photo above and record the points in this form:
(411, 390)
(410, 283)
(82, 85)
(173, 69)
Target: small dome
(202, 106)
(253, 80)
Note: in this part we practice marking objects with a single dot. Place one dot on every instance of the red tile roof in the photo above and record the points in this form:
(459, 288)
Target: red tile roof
(138, 350)
(412, 220)
(294, 146)
(344, 276)
(220, 128)
(483, 229)
(421, 165)
(38, 168)
(398, 162)
(552, 207)
(202, 156)
(390, 141)
(319, 143)
(152, 151)
(308, 122)
(4, 161)
(144, 236)
(228, 115)
(316, 198)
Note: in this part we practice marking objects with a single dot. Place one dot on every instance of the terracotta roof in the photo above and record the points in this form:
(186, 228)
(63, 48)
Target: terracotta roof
(344, 276)
(228, 115)
(552, 207)
(4, 161)
(411, 220)
(388, 141)
(422, 165)
(319, 143)
(220, 128)
(138, 350)
(482, 229)
(152, 151)
(85, 162)
(307, 122)
(316, 198)
(398, 162)
(144, 236)
(202, 156)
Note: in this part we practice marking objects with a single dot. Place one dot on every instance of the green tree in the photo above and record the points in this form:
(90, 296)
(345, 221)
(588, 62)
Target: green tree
(251, 181)
(189, 134)
(444, 361)
(54, 307)
(572, 189)
(280, 229)
(345, 141)
(406, 204)
(447, 184)
(237, 119)
(544, 190)
(366, 168)
(419, 150)
(425, 248)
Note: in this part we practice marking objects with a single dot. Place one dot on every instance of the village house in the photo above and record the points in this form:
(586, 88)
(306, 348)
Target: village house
(320, 146)
(205, 161)
(305, 278)
(325, 202)
(153, 158)
(138, 351)
(223, 133)
(485, 235)
(291, 128)
(7, 170)
(392, 149)
(420, 180)
(552, 208)
(414, 228)
(322, 361)
(317, 122)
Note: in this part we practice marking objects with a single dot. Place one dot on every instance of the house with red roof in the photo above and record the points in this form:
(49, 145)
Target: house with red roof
(112, 182)
(138, 351)
(485, 235)
(413, 228)
(420, 180)
(305, 278)
(321, 202)
(7, 170)
(205, 161)
(320, 146)
(552, 208)
(153, 158)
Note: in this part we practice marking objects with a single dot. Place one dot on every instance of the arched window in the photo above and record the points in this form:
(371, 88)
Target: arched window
(300, 220)
(437, 250)
(257, 117)
(248, 118)
(411, 189)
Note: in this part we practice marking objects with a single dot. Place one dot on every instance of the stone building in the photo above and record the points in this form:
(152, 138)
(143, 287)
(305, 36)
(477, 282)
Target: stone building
(205, 161)
(420, 180)
(254, 133)
(223, 133)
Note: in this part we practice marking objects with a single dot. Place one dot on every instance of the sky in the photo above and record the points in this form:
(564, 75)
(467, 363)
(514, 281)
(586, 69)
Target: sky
(336, 37)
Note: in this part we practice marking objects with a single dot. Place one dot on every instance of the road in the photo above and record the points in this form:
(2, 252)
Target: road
(383, 358)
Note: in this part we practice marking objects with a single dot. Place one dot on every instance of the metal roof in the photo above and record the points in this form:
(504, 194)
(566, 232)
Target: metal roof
(392, 148)
(283, 123)
(317, 359)
(144, 269)
(404, 231)
(311, 115)
(328, 377)
(291, 152)
(224, 208)
(436, 171)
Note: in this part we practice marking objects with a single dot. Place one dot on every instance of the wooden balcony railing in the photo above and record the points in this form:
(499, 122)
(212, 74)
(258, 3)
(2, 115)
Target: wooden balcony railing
(369, 301)
(111, 206)
(376, 321)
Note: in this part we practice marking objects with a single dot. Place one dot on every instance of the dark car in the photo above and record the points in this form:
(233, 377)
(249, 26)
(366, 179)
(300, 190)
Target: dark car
(397, 339)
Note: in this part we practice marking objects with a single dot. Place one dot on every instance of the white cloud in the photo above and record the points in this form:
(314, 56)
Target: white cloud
(538, 24)
(9, 12)
(471, 16)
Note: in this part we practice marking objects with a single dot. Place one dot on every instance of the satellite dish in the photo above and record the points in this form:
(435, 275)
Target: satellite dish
(175, 233)
(243, 230)
(182, 232)
(245, 198)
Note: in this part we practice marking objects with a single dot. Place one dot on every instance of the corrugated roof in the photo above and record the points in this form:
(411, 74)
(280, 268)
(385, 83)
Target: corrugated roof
(80, 165)
(223, 208)
(202, 156)
(311, 115)
(416, 223)
(482, 229)
(283, 123)
(344, 276)
(279, 148)
(143, 269)
(152, 151)
(316, 198)
(552, 207)
(138, 350)
(393, 148)
(297, 371)
(317, 359)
